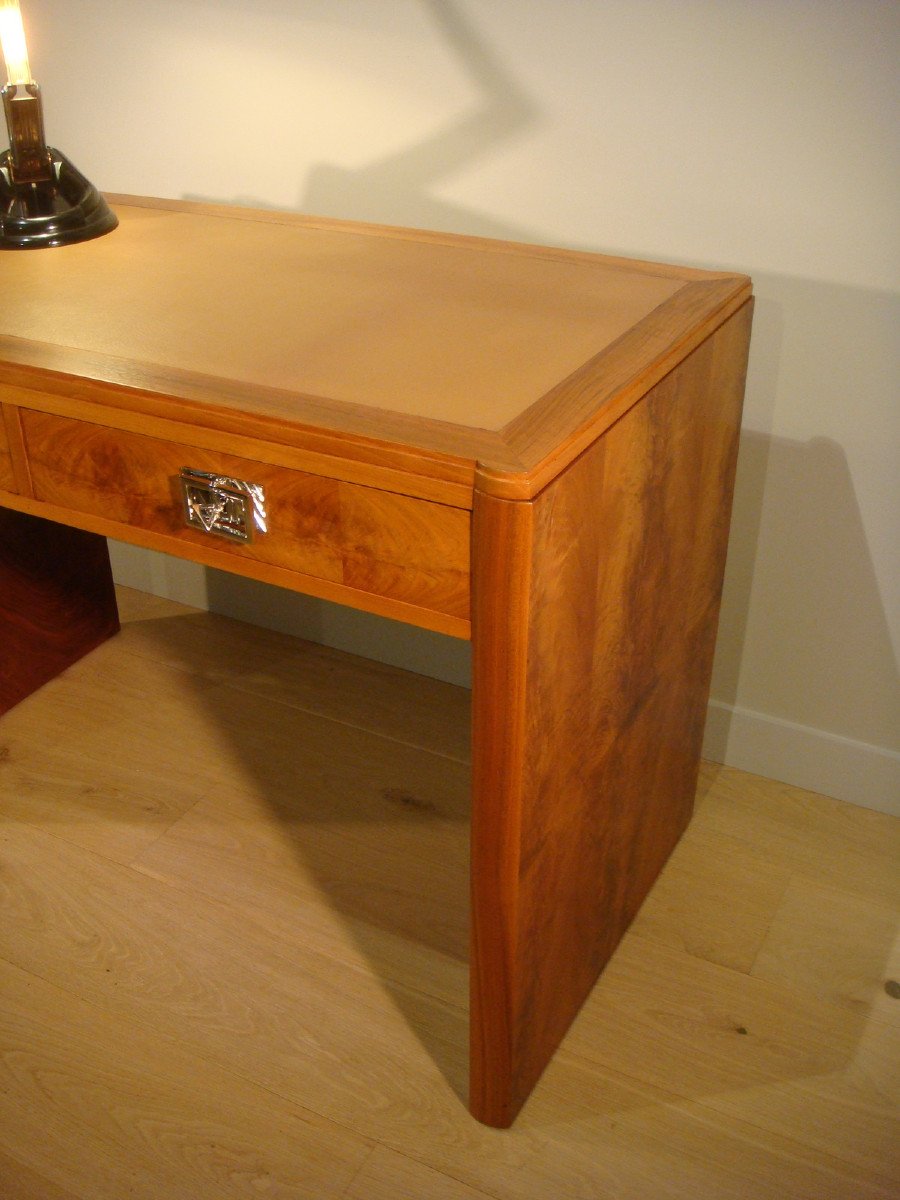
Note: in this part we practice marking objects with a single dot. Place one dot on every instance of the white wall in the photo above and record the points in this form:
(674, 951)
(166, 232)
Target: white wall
(751, 134)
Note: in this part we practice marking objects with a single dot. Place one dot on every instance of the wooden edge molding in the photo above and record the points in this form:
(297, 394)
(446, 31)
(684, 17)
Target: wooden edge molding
(405, 469)
(503, 549)
(15, 438)
(602, 391)
(412, 455)
(408, 233)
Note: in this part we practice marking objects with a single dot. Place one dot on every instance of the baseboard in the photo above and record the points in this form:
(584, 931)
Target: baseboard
(809, 758)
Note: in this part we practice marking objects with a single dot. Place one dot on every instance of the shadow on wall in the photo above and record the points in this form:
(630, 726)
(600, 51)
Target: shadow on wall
(806, 652)
(804, 636)
(802, 619)
(397, 189)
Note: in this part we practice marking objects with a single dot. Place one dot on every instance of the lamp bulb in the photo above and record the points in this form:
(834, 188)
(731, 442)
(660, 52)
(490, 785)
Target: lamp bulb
(12, 36)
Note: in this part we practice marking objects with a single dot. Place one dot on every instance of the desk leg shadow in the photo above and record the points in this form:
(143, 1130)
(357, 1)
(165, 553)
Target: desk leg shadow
(56, 601)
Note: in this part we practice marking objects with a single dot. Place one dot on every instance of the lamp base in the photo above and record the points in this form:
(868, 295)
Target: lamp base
(55, 212)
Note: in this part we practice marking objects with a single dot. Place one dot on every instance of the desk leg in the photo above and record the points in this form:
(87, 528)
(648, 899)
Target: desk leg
(594, 620)
(56, 601)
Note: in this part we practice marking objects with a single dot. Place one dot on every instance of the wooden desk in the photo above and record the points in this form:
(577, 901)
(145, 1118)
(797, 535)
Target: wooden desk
(529, 447)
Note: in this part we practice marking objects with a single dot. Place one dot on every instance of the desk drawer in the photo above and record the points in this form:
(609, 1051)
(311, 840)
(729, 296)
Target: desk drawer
(7, 478)
(373, 543)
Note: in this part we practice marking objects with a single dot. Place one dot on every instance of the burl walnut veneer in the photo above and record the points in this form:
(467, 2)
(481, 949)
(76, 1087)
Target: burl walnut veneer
(532, 448)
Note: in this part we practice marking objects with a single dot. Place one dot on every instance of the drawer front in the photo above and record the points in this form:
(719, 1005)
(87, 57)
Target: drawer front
(7, 478)
(377, 543)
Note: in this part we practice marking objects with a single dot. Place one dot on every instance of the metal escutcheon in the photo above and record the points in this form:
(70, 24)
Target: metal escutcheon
(228, 508)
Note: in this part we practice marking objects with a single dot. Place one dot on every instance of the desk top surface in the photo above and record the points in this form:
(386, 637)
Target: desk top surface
(490, 351)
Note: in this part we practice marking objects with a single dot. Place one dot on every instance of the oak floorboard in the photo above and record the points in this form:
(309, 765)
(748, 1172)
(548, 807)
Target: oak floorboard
(824, 840)
(387, 1175)
(836, 945)
(669, 1149)
(269, 1010)
(115, 757)
(312, 887)
(720, 1036)
(260, 989)
(90, 1097)
(714, 906)
(266, 665)
(720, 1028)
(18, 1182)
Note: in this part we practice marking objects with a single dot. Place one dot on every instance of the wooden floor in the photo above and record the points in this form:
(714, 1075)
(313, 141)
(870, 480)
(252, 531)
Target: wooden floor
(233, 956)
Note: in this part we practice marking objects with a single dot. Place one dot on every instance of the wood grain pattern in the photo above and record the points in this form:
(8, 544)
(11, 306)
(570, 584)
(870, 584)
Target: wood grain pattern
(411, 551)
(164, 1040)
(565, 422)
(239, 1146)
(19, 1182)
(592, 645)
(461, 350)
(443, 331)
(815, 918)
(7, 478)
(405, 707)
(20, 473)
(208, 426)
(56, 601)
(388, 388)
(391, 1176)
(225, 560)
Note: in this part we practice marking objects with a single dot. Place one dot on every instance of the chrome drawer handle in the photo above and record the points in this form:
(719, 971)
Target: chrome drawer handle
(229, 508)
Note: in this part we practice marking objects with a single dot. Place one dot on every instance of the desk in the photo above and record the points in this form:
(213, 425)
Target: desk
(527, 447)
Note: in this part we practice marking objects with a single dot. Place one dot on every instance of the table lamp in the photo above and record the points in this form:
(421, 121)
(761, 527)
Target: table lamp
(44, 199)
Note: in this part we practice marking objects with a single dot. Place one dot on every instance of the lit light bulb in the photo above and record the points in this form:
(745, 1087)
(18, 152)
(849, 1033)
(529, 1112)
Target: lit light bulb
(44, 199)
(12, 35)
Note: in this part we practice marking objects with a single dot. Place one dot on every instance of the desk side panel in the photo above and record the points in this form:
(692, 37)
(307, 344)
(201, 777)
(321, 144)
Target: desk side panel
(593, 634)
